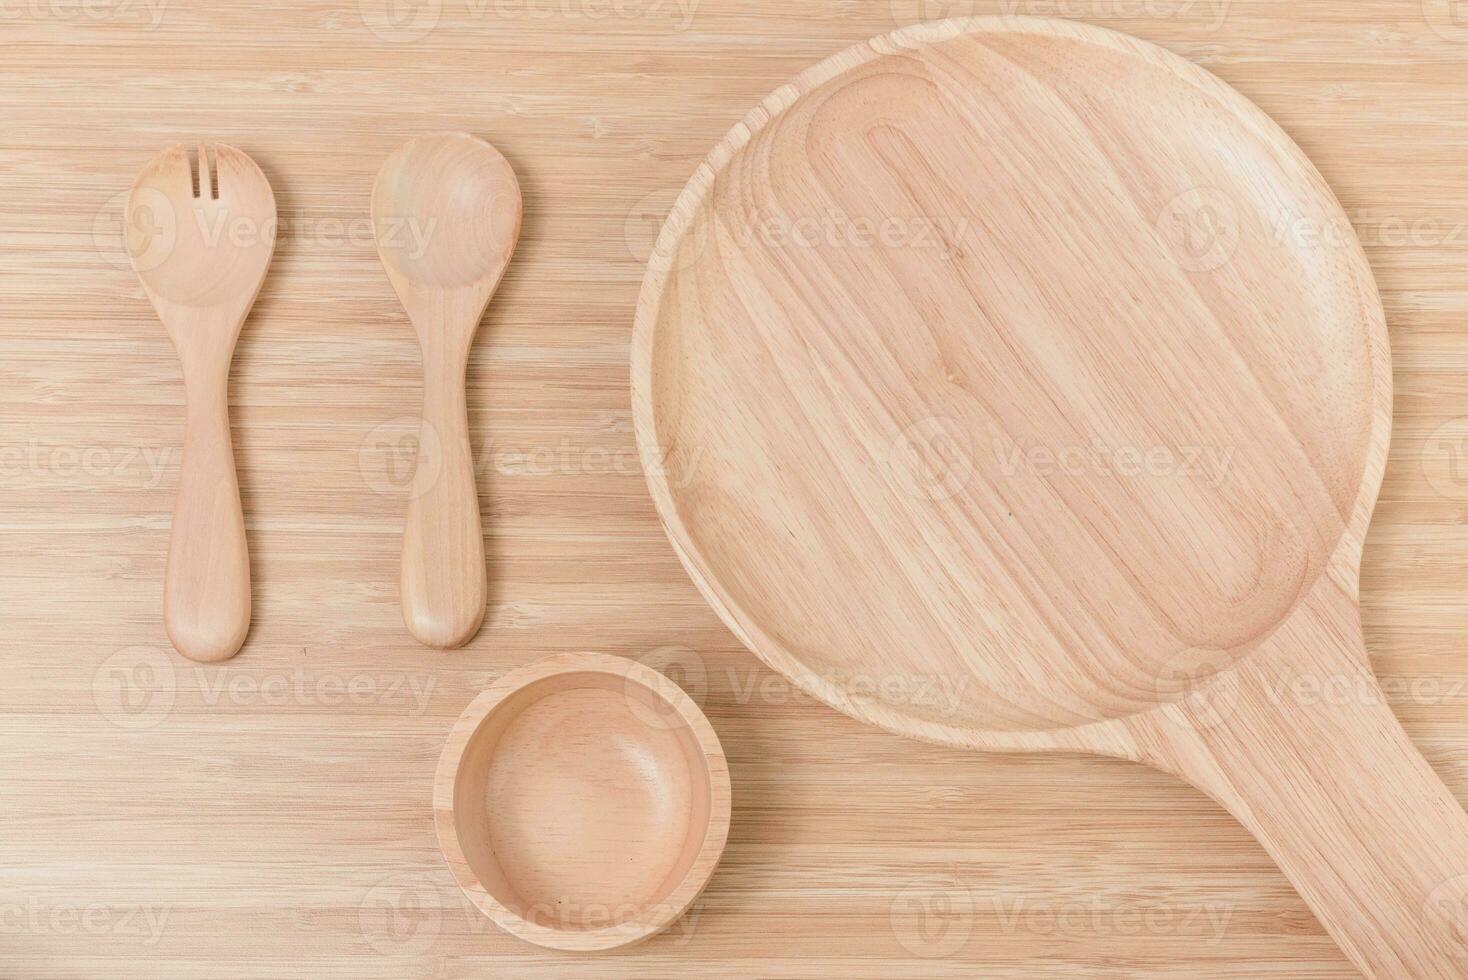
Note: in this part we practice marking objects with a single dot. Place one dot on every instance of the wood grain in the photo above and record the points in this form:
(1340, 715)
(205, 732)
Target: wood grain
(273, 822)
(582, 803)
(1049, 416)
(446, 214)
(200, 234)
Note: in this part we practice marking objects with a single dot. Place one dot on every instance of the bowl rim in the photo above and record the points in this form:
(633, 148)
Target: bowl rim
(651, 920)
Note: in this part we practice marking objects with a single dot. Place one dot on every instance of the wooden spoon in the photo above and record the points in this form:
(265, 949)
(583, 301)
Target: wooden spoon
(201, 235)
(996, 410)
(446, 210)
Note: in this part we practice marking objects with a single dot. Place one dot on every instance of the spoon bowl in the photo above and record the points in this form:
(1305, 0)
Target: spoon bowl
(447, 210)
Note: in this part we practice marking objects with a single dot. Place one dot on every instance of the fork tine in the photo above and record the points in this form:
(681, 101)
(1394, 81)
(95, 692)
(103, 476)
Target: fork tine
(206, 187)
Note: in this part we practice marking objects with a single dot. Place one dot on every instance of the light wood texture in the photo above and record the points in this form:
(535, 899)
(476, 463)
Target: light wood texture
(851, 427)
(446, 214)
(200, 233)
(272, 816)
(583, 803)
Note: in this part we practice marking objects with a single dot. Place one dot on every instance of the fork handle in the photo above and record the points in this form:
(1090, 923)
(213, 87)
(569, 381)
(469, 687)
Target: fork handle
(207, 591)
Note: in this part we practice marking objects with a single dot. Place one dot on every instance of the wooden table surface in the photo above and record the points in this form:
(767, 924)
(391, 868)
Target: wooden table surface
(271, 817)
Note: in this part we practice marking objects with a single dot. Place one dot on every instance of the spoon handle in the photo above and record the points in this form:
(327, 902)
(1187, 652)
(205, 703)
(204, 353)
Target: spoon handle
(1298, 742)
(444, 583)
(207, 590)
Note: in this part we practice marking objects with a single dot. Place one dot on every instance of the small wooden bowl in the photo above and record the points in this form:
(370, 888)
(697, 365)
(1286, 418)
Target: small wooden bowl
(583, 803)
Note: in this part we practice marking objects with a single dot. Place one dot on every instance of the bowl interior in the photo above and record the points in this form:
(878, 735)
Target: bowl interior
(583, 802)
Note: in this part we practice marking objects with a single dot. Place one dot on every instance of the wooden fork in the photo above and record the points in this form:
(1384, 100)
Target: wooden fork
(201, 234)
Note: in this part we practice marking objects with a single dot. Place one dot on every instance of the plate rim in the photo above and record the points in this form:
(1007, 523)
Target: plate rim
(1107, 736)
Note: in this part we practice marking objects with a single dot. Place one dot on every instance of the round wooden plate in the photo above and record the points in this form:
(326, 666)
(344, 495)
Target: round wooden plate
(998, 400)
